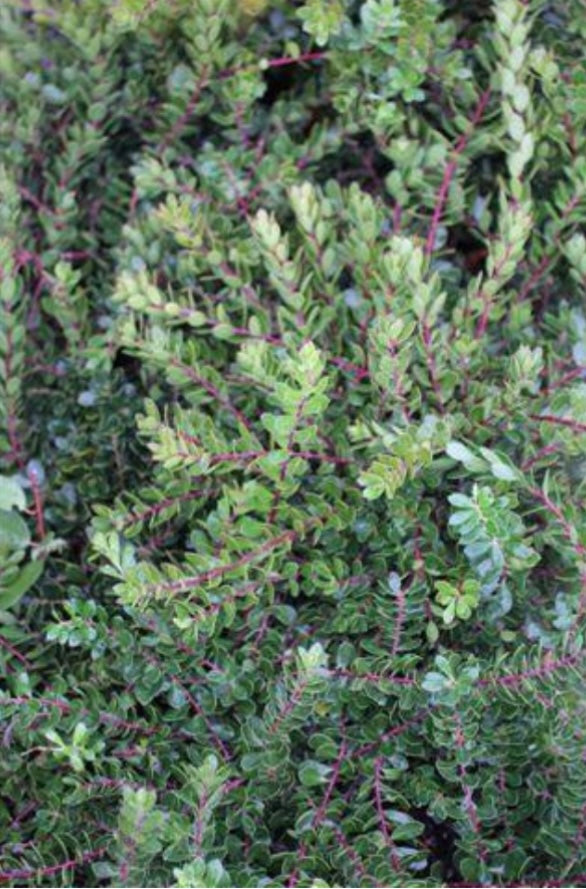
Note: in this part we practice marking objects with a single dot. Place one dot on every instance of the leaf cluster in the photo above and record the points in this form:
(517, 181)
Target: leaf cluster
(292, 443)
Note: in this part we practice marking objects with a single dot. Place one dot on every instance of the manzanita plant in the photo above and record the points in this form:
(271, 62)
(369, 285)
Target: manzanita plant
(292, 443)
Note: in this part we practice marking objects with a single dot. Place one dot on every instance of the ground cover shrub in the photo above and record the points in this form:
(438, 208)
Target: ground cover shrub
(292, 414)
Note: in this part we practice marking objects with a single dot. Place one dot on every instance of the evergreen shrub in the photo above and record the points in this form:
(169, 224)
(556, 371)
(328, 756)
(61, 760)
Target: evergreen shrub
(292, 443)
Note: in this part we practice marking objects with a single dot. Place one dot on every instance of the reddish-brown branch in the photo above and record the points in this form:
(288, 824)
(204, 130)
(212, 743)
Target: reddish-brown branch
(288, 708)
(549, 666)
(65, 708)
(279, 62)
(431, 364)
(15, 653)
(568, 377)
(334, 778)
(543, 452)
(485, 299)
(360, 373)
(549, 258)
(30, 873)
(353, 856)
(38, 503)
(392, 733)
(294, 875)
(237, 456)
(11, 418)
(450, 170)
(157, 508)
(559, 421)
(296, 60)
(401, 612)
(343, 673)
(382, 820)
(212, 390)
(197, 580)
(180, 123)
(217, 741)
(570, 532)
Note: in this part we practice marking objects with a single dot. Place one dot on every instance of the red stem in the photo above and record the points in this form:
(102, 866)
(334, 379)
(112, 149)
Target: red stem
(295, 60)
(38, 501)
(189, 583)
(34, 872)
(449, 171)
(559, 421)
(382, 819)
(320, 812)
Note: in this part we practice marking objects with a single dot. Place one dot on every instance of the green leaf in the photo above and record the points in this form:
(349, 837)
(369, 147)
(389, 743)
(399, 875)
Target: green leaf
(312, 773)
(449, 612)
(14, 533)
(434, 682)
(27, 576)
(432, 632)
(502, 471)
(11, 494)
(457, 451)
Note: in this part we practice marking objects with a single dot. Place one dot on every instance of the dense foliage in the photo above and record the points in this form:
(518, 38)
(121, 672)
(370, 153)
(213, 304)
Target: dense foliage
(292, 443)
